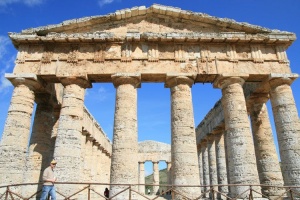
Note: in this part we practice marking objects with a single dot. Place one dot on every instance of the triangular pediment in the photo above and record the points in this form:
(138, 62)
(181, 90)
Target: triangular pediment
(155, 19)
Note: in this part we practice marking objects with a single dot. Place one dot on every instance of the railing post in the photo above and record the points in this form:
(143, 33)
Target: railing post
(291, 194)
(172, 193)
(250, 195)
(129, 192)
(89, 192)
(213, 193)
(6, 195)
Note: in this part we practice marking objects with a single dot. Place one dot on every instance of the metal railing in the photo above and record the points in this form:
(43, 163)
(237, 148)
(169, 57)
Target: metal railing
(88, 191)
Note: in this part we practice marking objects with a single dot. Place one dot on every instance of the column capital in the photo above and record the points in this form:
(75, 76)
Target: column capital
(127, 78)
(259, 98)
(29, 80)
(141, 162)
(281, 79)
(155, 162)
(180, 78)
(81, 81)
(223, 80)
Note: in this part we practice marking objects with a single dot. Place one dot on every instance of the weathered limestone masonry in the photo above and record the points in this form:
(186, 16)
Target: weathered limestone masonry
(41, 146)
(156, 44)
(287, 126)
(221, 163)
(205, 165)
(256, 96)
(70, 130)
(213, 179)
(16, 132)
(240, 149)
(124, 161)
(184, 149)
(266, 158)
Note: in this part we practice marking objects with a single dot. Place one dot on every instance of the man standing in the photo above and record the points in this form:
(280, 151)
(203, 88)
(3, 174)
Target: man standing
(49, 179)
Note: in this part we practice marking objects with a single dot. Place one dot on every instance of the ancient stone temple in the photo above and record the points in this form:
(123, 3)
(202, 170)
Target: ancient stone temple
(56, 64)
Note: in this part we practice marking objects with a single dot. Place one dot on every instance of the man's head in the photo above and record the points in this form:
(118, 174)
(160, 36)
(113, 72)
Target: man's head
(53, 163)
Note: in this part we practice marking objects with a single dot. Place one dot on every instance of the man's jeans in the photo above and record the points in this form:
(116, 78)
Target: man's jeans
(48, 189)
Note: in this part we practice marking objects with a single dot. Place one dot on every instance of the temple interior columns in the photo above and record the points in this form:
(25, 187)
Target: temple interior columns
(205, 166)
(200, 167)
(221, 163)
(41, 145)
(213, 179)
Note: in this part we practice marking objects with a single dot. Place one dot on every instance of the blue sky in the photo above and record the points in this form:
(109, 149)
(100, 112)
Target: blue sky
(153, 99)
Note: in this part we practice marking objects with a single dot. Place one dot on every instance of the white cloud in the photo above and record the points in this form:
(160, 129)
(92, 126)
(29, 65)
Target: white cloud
(27, 2)
(97, 93)
(4, 83)
(4, 41)
(104, 2)
(5, 63)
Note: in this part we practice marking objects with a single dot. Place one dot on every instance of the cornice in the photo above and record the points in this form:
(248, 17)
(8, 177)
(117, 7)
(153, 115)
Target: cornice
(223, 37)
(155, 9)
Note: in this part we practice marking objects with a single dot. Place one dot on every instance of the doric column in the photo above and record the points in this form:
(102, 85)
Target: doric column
(221, 164)
(142, 177)
(68, 144)
(288, 129)
(169, 173)
(88, 158)
(14, 142)
(124, 163)
(266, 157)
(241, 157)
(205, 166)
(94, 162)
(213, 179)
(41, 145)
(155, 178)
(102, 170)
(200, 168)
(184, 147)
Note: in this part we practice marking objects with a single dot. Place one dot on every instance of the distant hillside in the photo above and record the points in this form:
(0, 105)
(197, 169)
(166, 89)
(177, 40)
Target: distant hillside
(163, 179)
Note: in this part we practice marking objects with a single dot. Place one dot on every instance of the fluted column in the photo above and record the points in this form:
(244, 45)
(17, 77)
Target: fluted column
(142, 177)
(155, 178)
(205, 166)
(288, 129)
(124, 163)
(213, 179)
(200, 168)
(221, 164)
(184, 147)
(41, 145)
(241, 157)
(68, 144)
(14, 142)
(266, 157)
